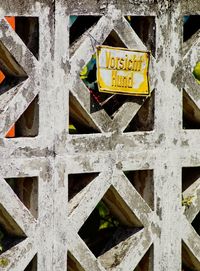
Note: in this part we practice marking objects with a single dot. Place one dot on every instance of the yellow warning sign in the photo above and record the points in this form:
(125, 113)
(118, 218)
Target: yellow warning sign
(122, 71)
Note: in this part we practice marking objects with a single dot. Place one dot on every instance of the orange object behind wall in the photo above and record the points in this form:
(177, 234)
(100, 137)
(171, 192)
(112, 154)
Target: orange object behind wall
(11, 21)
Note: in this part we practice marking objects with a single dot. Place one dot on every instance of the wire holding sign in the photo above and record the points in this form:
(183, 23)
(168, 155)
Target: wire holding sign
(123, 71)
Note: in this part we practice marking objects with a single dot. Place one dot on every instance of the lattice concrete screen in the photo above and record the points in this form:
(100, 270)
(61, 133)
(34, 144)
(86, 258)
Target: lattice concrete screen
(148, 177)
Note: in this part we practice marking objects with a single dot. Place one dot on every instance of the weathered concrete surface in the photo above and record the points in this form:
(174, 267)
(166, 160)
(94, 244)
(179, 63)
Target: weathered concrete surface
(54, 154)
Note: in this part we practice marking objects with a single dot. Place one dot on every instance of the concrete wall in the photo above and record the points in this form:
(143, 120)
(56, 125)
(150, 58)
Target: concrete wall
(156, 156)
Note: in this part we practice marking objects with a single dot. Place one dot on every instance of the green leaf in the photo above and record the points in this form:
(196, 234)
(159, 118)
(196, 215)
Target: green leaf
(84, 73)
(196, 72)
(103, 210)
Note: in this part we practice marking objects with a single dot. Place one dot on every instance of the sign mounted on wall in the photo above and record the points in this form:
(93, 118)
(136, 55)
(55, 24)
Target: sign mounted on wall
(123, 71)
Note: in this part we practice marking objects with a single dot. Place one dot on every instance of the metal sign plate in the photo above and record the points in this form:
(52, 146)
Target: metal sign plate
(122, 71)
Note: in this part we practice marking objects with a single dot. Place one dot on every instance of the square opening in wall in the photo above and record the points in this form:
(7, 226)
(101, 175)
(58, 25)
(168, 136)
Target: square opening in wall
(85, 99)
(191, 111)
(110, 226)
(12, 74)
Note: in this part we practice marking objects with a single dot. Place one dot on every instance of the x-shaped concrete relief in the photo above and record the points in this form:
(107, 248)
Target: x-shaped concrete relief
(15, 101)
(112, 21)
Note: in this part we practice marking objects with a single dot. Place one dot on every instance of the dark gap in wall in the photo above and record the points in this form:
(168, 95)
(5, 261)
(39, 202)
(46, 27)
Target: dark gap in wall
(189, 261)
(11, 73)
(72, 263)
(32, 266)
(142, 180)
(144, 118)
(191, 113)
(28, 123)
(146, 263)
(189, 176)
(145, 28)
(77, 182)
(196, 223)
(26, 190)
(10, 233)
(191, 24)
(79, 25)
(79, 121)
(110, 223)
(28, 30)
(190, 186)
